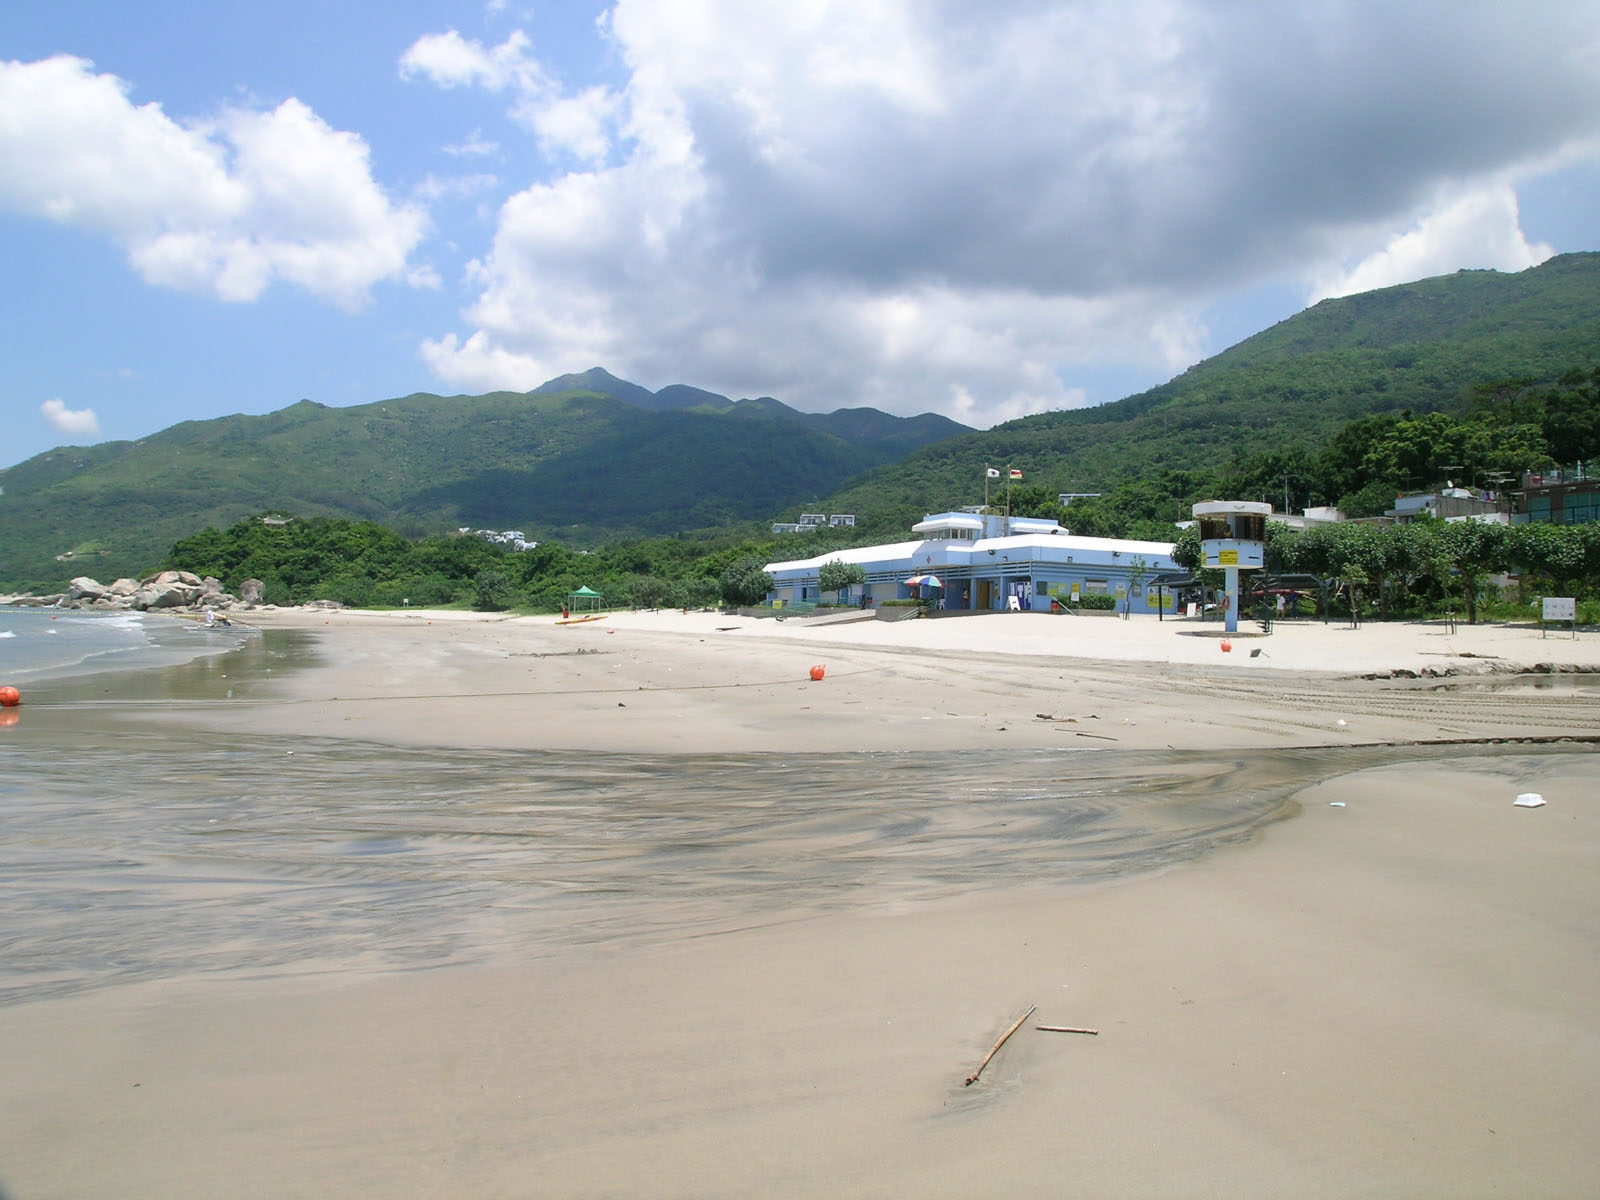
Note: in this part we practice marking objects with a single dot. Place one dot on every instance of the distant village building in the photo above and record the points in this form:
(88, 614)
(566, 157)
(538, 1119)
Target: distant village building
(1566, 496)
(988, 562)
(512, 539)
(1309, 519)
(1066, 498)
(810, 521)
(1451, 504)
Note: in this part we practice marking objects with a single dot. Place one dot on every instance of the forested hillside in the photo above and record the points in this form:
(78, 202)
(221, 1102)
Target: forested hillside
(1424, 347)
(578, 463)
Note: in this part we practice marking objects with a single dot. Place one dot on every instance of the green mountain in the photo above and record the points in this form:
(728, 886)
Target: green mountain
(590, 455)
(583, 456)
(1420, 347)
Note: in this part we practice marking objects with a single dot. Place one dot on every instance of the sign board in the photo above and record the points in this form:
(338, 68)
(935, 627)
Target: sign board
(1560, 608)
(1227, 558)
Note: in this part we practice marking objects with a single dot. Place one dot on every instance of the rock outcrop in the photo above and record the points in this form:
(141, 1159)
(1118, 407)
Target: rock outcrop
(166, 590)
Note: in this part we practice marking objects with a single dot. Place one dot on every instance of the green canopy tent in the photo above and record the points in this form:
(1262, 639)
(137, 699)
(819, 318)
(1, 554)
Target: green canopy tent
(584, 597)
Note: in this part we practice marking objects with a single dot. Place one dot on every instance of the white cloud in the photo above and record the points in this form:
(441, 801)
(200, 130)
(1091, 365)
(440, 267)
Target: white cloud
(579, 123)
(474, 145)
(460, 187)
(223, 207)
(1478, 229)
(450, 60)
(935, 205)
(75, 422)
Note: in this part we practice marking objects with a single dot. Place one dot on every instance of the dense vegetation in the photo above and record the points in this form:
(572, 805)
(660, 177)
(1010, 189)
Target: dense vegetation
(363, 564)
(1427, 566)
(1510, 426)
(1432, 566)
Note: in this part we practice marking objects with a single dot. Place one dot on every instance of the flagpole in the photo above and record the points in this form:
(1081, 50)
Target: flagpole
(986, 489)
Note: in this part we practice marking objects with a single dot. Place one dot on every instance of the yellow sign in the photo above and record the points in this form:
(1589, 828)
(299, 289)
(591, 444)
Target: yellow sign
(1227, 558)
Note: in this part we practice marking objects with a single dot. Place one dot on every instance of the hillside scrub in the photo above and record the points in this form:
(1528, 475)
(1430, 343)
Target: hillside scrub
(361, 564)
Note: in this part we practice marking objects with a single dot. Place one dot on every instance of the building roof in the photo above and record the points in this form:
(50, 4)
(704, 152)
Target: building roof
(946, 554)
(948, 521)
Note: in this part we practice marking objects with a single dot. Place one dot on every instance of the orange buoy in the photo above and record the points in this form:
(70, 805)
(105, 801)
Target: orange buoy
(818, 671)
(10, 697)
(1227, 646)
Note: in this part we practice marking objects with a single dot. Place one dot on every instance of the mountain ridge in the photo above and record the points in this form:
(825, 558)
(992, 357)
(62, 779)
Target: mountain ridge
(589, 463)
(1420, 347)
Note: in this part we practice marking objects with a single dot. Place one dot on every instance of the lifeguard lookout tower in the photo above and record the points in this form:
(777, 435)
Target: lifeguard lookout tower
(1233, 536)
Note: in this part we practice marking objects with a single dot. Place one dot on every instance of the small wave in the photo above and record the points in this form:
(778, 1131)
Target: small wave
(5, 633)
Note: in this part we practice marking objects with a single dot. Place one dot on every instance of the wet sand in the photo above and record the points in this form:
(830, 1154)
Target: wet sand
(1393, 993)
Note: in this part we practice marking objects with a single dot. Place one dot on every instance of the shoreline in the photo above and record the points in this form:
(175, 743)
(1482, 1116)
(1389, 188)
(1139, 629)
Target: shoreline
(1392, 993)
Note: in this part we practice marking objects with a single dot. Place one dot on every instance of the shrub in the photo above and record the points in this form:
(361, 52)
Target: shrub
(493, 591)
(1094, 602)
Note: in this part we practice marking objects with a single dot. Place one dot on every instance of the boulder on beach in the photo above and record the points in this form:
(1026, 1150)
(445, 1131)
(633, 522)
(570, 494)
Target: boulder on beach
(252, 591)
(84, 588)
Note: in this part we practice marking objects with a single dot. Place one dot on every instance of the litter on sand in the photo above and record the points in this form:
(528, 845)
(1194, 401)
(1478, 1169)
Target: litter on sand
(1529, 800)
(973, 1078)
(1335, 803)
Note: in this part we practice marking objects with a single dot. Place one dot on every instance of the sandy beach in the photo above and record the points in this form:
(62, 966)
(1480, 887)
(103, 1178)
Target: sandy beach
(1389, 987)
(671, 682)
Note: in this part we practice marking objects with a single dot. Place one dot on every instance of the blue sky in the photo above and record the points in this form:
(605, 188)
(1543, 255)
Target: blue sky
(980, 210)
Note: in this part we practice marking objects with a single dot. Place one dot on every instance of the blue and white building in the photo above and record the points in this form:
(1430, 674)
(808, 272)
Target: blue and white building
(986, 562)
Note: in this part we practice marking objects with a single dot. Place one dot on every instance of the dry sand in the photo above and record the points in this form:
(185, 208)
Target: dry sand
(1396, 993)
(672, 682)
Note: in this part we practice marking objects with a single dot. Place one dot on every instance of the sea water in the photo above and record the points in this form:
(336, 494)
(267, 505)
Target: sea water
(46, 643)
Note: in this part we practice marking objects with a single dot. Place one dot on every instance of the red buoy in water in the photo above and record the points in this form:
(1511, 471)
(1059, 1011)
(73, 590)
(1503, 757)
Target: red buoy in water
(818, 671)
(10, 697)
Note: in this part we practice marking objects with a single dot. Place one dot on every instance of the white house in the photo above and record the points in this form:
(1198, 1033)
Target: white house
(984, 562)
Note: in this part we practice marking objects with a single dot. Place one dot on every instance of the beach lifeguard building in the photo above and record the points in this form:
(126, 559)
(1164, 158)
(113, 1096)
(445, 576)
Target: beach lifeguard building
(987, 562)
(1233, 536)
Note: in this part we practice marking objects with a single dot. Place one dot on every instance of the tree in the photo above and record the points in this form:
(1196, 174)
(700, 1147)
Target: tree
(493, 591)
(1354, 580)
(746, 582)
(647, 591)
(1186, 550)
(1138, 571)
(702, 591)
(836, 575)
(1476, 548)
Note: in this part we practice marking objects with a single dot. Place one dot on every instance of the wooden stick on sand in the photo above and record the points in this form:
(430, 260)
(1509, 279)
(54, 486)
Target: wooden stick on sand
(1065, 1029)
(995, 1049)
